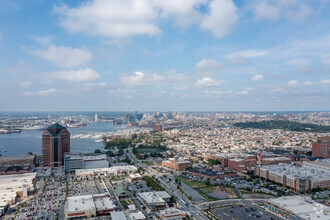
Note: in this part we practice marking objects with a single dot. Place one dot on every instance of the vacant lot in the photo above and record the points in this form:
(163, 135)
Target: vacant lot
(204, 189)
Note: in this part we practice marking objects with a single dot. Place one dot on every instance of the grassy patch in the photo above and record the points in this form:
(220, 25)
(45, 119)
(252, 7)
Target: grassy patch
(147, 150)
(124, 203)
(203, 189)
(148, 163)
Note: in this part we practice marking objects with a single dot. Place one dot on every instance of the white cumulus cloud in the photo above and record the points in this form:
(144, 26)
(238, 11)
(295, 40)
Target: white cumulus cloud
(294, 10)
(308, 83)
(183, 13)
(141, 79)
(257, 77)
(207, 81)
(111, 18)
(243, 92)
(248, 54)
(221, 18)
(46, 92)
(66, 57)
(293, 83)
(208, 64)
(81, 75)
(264, 10)
(325, 81)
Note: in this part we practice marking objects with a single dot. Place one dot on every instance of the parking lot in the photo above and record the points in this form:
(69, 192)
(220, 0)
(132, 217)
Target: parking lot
(243, 212)
(49, 199)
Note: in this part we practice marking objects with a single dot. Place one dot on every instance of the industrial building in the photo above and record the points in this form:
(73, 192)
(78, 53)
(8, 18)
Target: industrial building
(88, 205)
(298, 207)
(177, 164)
(116, 170)
(74, 161)
(172, 214)
(25, 160)
(10, 170)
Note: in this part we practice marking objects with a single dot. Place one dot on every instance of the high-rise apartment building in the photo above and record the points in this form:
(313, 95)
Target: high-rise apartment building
(321, 148)
(55, 142)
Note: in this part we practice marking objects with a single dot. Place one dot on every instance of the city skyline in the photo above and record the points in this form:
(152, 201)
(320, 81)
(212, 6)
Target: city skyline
(196, 55)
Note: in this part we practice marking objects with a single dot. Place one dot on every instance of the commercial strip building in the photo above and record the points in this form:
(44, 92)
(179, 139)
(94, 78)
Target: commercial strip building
(177, 164)
(155, 199)
(321, 148)
(172, 214)
(25, 160)
(135, 177)
(74, 161)
(55, 142)
(298, 207)
(12, 186)
(137, 216)
(116, 171)
(89, 205)
(298, 178)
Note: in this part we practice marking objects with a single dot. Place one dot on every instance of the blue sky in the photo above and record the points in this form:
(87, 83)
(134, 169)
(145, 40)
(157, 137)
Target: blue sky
(191, 55)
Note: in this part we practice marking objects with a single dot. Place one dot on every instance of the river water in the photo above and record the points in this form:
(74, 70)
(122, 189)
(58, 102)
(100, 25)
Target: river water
(30, 140)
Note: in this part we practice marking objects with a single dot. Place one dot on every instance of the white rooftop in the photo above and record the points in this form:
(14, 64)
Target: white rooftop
(80, 203)
(118, 216)
(103, 203)
(114, 169)
(151, 197)
(162, 194)
(137, 216)
(303, 207)
(10, 184)
(276, 158)
(170, 212)
(131, 207)
(97, 202)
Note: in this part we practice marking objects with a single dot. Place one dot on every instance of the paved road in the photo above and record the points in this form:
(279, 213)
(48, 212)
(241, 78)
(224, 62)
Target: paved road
(112, 192)
(192, 209)
(195, 196)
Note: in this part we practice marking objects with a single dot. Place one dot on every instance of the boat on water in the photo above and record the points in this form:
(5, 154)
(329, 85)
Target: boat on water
(35, 127)
(5, 131)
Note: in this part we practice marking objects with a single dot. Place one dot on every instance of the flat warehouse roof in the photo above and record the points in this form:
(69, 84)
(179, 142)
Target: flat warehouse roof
(303, 207)
(80, 203)
(118, 216)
